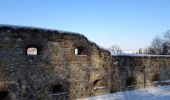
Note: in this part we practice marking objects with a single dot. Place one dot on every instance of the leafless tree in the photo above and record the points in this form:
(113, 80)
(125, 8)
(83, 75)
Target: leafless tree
(140, 51)
(149, 50)
(116, 49)
(157, 45)
(166, 45)
(167, 35)
(160, 45)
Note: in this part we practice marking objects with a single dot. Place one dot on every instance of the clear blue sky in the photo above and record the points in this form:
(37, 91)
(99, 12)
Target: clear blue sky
(129, 23)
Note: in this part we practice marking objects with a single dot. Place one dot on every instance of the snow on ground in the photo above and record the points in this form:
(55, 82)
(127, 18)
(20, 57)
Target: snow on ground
(151, 93)
(139, 55)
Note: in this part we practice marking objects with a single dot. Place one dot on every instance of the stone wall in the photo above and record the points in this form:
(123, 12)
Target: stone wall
(67, 66)
(56, 72)
(135, 71)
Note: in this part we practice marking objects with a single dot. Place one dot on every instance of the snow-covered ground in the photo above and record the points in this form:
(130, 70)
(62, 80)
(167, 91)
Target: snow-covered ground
(151, 93)
(139, 55)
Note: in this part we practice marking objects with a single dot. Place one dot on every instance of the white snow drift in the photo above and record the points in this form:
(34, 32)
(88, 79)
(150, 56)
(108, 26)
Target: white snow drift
(151, 93)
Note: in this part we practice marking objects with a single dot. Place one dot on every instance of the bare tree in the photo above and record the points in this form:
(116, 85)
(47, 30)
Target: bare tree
(165, 48)
(149, 50)
(116, 49)
(166, 44)
(140, 51)
(157, 45)
(167, 35)
(160, 45)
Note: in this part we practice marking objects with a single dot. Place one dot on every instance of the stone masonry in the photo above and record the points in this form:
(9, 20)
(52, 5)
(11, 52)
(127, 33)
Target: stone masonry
(43, 64)
(66, 66)
(139, 71)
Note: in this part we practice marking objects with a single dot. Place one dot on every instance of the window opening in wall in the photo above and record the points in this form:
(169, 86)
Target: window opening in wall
(130, 81)
(99, 84)
(96, 82)
(76, 51)
(155, 77)
(32, 51)
(58, 90)
(3, 91)
(3, 95)
(80, 51)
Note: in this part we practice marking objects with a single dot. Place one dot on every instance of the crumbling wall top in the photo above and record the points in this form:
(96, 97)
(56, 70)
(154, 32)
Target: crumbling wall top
(25, 31)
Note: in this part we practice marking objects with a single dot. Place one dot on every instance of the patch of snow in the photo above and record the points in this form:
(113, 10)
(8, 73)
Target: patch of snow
(99, 87)
(164, 81)
(140, 55)
(62, 93)
(151, 93)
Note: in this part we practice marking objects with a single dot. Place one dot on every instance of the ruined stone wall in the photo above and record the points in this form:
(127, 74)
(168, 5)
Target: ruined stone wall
(130, 72)
(56, 72)
(68, 66)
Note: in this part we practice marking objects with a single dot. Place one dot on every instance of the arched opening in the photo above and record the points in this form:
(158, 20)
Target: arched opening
(155, 77)
(99, 83)
(58, 90)
(96, 82)
(32, 51)
(3, 91)
(81, 51)
(3, 94)
(130, 81)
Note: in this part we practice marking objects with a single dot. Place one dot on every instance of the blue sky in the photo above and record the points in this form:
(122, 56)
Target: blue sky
(131, 24)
